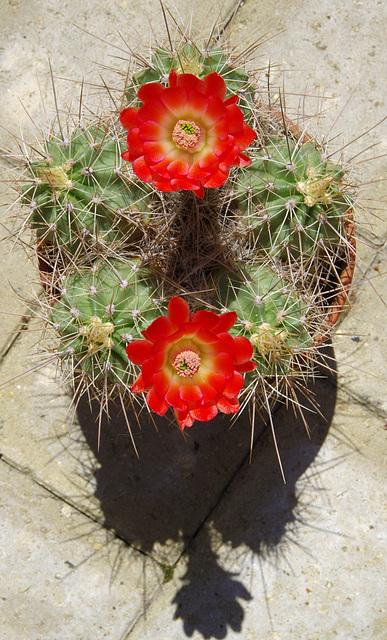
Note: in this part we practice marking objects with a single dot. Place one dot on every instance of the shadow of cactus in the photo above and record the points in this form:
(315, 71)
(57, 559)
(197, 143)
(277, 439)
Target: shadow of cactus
(168, 503)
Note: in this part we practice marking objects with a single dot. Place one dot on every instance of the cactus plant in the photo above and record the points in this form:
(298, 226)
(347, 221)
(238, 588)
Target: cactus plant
(271, 314)
(189, 58)
(81, 196)
(100, 311)
(293, 199)
(229, 231)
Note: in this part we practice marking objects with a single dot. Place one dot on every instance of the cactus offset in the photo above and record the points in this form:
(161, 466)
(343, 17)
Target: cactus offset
(270, 314)
(190, 59)
(101, 310)
(81, 196)
(293, 199)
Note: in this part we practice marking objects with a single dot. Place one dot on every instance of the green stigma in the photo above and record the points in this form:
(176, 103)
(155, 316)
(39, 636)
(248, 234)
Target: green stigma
(188, 128)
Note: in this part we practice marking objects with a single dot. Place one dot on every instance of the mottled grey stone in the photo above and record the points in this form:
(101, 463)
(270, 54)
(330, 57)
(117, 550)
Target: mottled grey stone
(157, 502)
(305, 559)
(360, 341)
(265, 560)
(61, 574)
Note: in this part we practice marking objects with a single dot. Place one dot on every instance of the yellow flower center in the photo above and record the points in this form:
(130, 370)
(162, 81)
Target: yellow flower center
(187, 363)
(186, 134)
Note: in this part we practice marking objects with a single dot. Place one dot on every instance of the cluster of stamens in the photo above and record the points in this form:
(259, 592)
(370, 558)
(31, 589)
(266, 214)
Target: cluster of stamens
(269, 342)
(314, 188)
(186, 134)
(187, 363)
(98, 334)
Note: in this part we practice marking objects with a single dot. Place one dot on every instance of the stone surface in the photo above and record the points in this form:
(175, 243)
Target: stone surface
(157, 502)
(260, 559)
(61, 574)
(303, 560)
(360, 342)
(16, 275)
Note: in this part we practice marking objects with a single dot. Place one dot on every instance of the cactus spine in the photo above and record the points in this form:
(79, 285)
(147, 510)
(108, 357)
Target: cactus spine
(253, 245)
(293, 199)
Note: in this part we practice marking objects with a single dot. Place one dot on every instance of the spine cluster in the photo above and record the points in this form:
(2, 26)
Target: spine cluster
(270, 244)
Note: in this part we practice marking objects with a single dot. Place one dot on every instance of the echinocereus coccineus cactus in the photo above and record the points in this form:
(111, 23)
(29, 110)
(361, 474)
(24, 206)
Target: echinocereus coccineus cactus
(100, 311)
(191, 363)
(80, 196)
(292, 198)
(186, 136)
(214, 203)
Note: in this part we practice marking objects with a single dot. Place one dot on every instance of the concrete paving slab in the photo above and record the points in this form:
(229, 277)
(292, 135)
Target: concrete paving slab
(360, 345)
(157, 502)
(335, 54)
(15, 271)
(303, 560)
(61, 574)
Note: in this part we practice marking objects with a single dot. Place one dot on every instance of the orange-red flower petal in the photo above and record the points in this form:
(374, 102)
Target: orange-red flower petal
(169, 162)
(175, 341)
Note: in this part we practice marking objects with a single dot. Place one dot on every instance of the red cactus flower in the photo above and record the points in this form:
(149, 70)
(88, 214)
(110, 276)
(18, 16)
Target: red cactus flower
(191, 363)
(186, 136)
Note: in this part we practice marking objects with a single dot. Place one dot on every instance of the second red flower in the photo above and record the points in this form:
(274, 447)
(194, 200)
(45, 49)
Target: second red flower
(191, 363)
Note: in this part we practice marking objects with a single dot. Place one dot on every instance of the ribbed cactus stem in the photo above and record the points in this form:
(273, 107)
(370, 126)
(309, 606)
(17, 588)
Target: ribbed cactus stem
(81, 196)
(190, 59)
(101, 310)
(292, 199)
(270, 314)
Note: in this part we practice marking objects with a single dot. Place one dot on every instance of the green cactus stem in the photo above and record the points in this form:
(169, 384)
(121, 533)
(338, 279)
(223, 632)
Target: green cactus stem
(270, 314)
(101, 310)
(80, 196)
(293, 199)
(190, 59)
